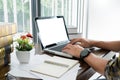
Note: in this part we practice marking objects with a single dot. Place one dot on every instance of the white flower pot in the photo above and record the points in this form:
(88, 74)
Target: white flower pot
(23, 56)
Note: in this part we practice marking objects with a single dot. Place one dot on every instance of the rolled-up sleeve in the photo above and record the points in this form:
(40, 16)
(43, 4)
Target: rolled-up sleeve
(112, 71)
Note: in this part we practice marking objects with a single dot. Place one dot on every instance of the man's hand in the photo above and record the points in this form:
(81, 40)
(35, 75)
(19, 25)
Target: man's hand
(82, 42)
(73, 50)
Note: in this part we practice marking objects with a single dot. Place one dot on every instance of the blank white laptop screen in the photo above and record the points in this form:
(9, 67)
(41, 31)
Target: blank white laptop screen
(52, 30)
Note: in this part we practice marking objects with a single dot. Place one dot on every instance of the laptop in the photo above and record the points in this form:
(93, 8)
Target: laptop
(53, 34)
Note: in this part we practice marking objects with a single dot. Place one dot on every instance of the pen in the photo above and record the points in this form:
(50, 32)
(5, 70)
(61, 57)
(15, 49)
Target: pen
(55, 63)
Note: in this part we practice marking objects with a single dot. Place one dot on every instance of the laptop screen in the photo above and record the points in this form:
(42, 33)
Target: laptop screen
(52, 30)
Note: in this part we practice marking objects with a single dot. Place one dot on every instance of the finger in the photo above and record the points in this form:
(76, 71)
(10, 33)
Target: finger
(80, 44)
(74, 41)
(67, 46)
(67, 51)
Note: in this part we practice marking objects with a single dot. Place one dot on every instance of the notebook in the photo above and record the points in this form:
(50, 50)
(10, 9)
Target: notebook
(53, 34)
(55, 66)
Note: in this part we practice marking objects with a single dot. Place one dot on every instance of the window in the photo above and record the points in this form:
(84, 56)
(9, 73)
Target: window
(17, 11)
(1, 11)
(70, 9)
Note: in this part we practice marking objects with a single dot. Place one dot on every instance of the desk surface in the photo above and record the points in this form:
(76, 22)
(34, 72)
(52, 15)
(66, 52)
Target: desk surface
(83, 74)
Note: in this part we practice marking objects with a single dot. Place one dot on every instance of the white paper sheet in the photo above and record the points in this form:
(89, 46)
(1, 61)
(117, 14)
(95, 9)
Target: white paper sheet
(55, 66)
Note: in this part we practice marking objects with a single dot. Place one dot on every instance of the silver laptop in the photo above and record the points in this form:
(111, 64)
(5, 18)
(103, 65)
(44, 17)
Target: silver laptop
(53, 34)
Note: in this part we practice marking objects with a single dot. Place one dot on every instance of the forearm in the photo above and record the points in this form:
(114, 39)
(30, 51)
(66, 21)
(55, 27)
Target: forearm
(109, 45)
(96, 63)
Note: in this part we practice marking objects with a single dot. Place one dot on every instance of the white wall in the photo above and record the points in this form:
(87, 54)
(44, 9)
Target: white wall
(104, 19)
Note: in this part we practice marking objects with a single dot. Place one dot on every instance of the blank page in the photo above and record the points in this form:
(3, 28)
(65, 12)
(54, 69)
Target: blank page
(55, 66)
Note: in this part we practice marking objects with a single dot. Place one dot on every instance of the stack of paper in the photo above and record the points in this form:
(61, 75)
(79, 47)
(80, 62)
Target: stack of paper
(55, 66)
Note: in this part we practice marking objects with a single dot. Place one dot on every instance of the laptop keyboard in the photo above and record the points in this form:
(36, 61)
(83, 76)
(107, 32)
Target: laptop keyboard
(58, 48)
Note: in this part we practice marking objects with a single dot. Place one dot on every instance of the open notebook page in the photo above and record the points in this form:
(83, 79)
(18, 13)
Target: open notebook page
(55, 66)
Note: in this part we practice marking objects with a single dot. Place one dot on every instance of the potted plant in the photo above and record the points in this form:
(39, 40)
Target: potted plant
(23, 48)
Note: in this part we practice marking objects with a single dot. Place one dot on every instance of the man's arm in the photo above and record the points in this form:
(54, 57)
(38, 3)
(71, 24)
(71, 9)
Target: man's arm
(96, 63)
(109, 45)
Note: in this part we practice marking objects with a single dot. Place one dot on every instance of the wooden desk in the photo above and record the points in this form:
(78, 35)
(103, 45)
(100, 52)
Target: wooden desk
(83, 74)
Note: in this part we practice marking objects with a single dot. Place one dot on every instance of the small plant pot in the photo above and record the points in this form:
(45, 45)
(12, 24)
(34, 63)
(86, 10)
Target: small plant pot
(23, 56)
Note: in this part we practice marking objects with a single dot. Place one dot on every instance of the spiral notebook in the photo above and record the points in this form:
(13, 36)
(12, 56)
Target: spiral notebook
(55, 66)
